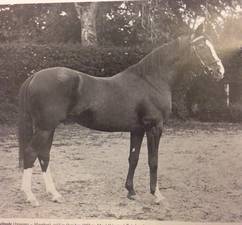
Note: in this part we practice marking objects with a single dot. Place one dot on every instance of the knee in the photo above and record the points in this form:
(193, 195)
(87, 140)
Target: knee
(133, 159)
(153, 165)
(157, 131)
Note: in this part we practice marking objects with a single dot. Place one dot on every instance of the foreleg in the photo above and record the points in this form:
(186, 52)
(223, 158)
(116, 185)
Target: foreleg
(136, 138)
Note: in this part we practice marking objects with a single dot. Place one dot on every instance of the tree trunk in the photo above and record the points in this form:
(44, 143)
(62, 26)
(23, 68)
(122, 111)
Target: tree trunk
(87, 15)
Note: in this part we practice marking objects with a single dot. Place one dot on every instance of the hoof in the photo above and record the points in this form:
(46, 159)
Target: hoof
(58, 198)
(162, 201)
(131, 195)
(33, 202)
(159, 199)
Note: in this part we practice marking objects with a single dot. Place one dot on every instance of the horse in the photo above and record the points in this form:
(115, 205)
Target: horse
(137, 100)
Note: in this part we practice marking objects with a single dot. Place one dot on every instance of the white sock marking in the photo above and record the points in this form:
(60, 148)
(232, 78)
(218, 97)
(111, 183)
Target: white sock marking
(26, 180)
(26, 186)
(49, 184)
(158, 195)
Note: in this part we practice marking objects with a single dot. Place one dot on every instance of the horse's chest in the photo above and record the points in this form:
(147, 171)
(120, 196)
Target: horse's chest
(155, 108)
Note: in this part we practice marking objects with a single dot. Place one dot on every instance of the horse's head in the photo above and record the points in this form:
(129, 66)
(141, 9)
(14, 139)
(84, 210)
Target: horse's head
(205, 55)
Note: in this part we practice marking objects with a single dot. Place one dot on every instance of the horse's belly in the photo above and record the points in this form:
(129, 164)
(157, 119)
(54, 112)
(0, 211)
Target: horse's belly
(109, 120)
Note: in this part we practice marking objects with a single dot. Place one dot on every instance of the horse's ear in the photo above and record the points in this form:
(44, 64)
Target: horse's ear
(199, 31)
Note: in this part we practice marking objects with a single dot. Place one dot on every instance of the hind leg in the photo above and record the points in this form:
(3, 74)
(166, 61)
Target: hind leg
(50, 187)
(26, 187)
(30, 155)
(135, 144)
(44, 158)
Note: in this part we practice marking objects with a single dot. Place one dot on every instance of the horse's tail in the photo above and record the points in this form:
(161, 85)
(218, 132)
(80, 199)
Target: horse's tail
(25, 124)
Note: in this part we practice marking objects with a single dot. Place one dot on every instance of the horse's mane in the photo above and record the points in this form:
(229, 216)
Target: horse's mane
(158, 59)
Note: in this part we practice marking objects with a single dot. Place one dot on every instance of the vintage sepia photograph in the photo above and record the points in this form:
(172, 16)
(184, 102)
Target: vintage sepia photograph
(121, 111)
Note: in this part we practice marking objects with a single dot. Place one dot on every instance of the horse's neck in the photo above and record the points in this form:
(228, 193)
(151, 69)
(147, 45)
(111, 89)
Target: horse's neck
(164, 64)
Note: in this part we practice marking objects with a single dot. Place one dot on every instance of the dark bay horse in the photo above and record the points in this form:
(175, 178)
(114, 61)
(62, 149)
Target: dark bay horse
(137, 100)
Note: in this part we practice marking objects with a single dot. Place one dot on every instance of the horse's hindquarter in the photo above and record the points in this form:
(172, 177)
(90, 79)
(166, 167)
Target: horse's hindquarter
(118, 103)
(51, 95)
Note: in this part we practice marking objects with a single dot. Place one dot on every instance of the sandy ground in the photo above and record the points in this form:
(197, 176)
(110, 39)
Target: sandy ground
(200, 174)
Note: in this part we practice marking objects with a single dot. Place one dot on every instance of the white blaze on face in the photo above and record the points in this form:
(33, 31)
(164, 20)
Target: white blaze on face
(215, 56)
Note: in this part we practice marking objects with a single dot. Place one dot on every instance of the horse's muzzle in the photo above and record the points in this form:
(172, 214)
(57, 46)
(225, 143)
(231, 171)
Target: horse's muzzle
(218, 71)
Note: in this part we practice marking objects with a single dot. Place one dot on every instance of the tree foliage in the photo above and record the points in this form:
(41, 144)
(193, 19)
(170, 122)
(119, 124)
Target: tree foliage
(118, 23)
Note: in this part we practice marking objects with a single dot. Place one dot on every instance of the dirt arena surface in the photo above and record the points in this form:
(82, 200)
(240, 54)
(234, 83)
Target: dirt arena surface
(200, 174)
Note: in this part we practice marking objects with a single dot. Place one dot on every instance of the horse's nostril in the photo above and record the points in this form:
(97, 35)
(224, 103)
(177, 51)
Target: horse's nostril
(219, 72)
